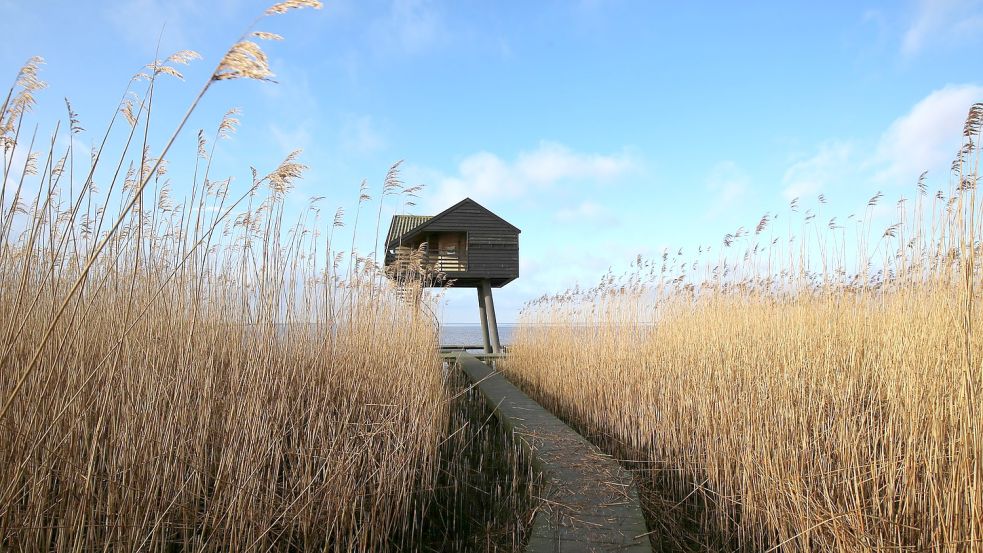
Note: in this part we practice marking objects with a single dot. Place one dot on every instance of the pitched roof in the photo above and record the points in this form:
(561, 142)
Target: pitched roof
(402, 224)
(464, 202)
(414, 224)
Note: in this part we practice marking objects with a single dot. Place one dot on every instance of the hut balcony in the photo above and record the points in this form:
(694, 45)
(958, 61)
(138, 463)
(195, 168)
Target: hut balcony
(444, 261)
(448, 261)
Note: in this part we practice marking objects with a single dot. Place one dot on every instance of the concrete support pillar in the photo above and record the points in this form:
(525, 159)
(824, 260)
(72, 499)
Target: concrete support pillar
(486, 291)
(484, 319)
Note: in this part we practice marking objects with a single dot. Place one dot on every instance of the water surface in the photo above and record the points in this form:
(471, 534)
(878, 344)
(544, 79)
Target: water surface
(470, 334)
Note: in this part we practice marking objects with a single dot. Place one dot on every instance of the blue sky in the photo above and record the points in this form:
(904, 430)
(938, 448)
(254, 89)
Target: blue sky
(601, 128)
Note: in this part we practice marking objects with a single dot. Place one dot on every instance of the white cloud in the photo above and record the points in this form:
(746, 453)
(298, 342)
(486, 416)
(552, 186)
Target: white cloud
(811, 176)
(359, 135)
(552, 162)
(728, 184)
(481, 176)
(586, 211)
(296, 106)
(140, 21)
(288, 140)
(183, 22)
(926, 138)
(410, 27)
(951, 21)
(293, 93)
(485, 176)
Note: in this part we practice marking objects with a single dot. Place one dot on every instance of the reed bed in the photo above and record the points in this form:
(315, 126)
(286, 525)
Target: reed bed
(487, 492)
(196, 373)
(809, 391)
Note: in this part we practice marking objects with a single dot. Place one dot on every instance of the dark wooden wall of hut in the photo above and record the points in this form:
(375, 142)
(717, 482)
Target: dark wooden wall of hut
(493, 244)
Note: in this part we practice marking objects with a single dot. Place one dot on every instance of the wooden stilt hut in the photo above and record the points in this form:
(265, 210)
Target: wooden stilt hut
(466, 246)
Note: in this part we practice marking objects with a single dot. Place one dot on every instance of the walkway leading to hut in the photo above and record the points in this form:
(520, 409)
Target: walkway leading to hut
(589, 501)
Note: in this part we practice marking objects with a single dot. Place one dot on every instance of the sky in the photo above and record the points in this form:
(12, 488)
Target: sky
(603, 129)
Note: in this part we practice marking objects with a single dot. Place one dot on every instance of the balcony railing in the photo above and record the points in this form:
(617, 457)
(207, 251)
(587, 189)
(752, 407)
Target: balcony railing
(448, 262)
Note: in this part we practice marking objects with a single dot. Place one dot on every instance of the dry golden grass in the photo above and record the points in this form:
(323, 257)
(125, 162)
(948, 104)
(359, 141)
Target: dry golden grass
(486, 494)
(788, 409)
(191, 373)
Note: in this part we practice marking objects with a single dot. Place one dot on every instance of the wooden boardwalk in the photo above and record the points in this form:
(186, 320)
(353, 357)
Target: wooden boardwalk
(589, 501)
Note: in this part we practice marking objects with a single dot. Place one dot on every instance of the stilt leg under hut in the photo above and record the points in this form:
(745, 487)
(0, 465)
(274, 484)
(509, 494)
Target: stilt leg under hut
(484, 320)
(489, 324)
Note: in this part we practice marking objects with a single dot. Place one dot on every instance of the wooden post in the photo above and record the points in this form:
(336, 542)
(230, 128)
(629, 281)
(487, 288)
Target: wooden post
(484, 319)
(486, 291)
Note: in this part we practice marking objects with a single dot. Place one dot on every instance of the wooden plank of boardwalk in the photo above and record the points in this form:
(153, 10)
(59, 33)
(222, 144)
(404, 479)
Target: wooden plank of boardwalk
(589, 502)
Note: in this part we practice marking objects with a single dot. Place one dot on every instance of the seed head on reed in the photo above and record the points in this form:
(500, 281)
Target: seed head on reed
(281, 179)
(762, 224)
(245, 60)
(31, 164)
(126, 108)
(284, 7)
(229, 124)
(875, 199)
(29, 84)
(262, 35)
(183, 57)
